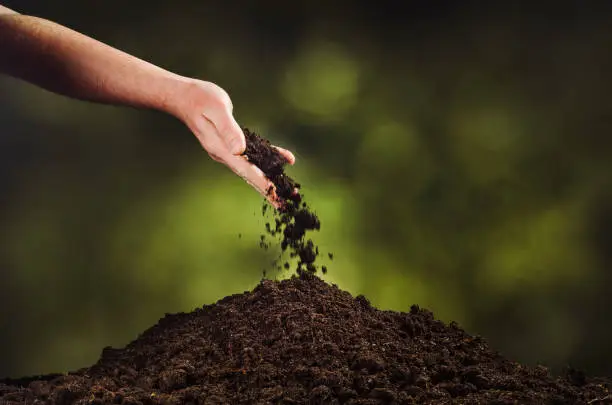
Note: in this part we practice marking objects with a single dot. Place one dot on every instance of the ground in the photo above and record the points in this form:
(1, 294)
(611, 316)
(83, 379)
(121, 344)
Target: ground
(303, 341)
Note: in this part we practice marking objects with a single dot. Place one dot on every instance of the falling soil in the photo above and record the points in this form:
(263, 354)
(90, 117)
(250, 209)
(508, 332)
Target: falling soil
(294, 219)
(303, 341)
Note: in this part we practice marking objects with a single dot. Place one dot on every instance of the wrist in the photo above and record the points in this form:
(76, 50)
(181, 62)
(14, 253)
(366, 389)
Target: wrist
(173, 98)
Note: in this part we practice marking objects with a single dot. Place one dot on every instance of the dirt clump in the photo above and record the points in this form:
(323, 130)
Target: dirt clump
(294, 219)
(303, 341)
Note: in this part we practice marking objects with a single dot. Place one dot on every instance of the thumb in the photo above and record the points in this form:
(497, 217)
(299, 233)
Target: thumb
(229, 130)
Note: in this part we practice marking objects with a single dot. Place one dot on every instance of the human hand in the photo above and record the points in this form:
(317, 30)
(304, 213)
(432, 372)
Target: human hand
(207, 110)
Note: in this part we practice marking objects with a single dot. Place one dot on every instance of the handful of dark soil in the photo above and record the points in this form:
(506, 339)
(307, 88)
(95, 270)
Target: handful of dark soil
(302, 341)
(294, 219)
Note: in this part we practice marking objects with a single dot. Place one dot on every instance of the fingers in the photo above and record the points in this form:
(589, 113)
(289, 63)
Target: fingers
(220, 115)
(286, 154)
(253, 176)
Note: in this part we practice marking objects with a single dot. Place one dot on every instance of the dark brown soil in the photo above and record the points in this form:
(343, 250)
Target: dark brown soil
(302, 341)
(294, 219)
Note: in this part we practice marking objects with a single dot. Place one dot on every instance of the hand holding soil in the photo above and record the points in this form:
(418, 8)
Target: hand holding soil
(86, 69)
(207, 110)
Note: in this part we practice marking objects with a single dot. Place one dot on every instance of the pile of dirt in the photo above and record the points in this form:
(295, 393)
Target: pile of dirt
(294, 219)
(303, 341)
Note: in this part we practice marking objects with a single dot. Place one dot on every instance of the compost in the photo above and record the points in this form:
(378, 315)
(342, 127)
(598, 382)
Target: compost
(304, 341)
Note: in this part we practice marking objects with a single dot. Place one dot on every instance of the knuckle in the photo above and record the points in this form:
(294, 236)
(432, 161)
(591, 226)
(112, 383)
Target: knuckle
(220, 97)
(225, 100)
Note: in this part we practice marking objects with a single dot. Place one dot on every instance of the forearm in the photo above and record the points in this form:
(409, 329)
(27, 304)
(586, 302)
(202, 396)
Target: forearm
(6, 10)
(63, 61)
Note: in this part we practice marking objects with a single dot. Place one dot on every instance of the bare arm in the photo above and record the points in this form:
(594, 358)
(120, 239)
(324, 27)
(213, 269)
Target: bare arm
(69, 63)
(5, 10)
(63, 61)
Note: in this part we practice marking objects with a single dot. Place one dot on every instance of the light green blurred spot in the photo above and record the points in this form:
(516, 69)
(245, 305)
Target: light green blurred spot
(534, 251)
(393, 151)
(393, 284)
(388, 142)
(189, 237)
(323, 81)
(192, 239)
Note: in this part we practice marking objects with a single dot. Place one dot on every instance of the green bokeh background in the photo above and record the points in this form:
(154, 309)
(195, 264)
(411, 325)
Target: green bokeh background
(457, 153)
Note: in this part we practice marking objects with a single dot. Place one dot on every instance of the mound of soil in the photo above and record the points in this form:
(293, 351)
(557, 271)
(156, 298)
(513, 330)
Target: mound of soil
(302, 341)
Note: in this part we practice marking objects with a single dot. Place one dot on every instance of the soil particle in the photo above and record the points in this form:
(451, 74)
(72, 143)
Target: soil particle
(294, 219)
(303, 341)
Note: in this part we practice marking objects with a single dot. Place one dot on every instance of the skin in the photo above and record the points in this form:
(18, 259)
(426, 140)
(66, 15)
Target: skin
(66, 62)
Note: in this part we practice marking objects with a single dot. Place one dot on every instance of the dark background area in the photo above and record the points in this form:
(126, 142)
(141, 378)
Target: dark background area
(457, 154)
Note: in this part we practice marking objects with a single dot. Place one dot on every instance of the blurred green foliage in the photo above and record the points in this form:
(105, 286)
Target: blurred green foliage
(457, 155)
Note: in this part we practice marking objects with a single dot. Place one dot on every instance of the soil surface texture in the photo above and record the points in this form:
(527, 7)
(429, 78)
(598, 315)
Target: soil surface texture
(303, 341)
(294, 219)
